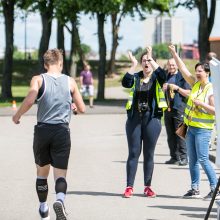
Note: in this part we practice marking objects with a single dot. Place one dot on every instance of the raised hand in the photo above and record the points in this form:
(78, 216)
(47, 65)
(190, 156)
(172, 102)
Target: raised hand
(172, 48)
(149, 52)
(133, 59)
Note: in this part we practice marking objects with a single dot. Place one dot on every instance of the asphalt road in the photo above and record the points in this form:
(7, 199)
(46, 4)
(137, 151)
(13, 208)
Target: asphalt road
(96, 176)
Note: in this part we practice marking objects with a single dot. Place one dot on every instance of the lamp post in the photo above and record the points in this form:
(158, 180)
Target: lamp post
(25, 35)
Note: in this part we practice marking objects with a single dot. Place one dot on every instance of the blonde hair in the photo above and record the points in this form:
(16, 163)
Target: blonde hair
(53, 56)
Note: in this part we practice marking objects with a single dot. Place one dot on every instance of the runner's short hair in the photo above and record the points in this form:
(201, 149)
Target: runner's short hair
(53, 56)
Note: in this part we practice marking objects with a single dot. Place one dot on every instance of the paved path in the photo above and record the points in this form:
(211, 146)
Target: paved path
(96, 177)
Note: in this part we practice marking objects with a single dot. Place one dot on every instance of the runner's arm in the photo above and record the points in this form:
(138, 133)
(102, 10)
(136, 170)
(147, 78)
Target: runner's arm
(29, 99)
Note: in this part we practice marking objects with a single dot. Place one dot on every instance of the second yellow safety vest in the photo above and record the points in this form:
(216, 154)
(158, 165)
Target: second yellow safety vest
(197, 116)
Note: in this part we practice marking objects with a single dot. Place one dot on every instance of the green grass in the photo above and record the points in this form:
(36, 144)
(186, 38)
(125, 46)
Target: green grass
(24, 70)
(19, 92)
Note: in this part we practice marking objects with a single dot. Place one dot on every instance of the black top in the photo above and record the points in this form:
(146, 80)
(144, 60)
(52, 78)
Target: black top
(179, 101)
(144, 96)
(147, 93)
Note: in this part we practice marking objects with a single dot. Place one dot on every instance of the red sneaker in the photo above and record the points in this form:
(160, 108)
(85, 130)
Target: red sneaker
(149, 192)
(128, 192)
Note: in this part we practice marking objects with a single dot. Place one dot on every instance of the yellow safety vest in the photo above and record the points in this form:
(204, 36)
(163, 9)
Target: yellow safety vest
(197, 116)
(161, 101)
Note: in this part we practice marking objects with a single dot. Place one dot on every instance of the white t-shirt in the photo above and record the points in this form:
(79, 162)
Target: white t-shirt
(208, 94)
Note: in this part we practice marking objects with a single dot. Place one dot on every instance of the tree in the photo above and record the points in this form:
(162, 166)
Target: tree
(161, 51)
(45, 8)
(67, 11)
(100, 9)
(206, 22)
(8, 9)
(61, 45)
(130, 7)
(8, 12)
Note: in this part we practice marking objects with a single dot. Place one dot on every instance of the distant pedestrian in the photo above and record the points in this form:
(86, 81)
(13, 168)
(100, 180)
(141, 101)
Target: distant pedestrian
(87, 84)
(199, 116)
(144, 111)
(52, 143)
(209, 57)
(176, 90)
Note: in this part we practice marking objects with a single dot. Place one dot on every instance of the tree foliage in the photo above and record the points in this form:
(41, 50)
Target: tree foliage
(206, 22)
(161, 51)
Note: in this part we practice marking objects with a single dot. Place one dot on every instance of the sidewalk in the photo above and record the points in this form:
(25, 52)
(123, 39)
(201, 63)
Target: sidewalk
(96, 176)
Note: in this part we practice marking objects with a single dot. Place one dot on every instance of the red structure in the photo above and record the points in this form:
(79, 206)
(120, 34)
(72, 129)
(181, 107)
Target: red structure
(190, 51)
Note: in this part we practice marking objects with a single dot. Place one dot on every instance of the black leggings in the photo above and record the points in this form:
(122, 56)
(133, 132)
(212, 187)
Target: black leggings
(141, 129)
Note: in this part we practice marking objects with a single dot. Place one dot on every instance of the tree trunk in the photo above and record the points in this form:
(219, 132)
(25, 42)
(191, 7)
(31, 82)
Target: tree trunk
(60, 45)
(46, 19)
(205, 26)
(102, 57)
(76, 49)
(8, 11)
(115, 29)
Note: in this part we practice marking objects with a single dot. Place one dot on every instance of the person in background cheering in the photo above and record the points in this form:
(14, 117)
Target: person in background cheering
(144, 111)
(176, 89)
(199, 116)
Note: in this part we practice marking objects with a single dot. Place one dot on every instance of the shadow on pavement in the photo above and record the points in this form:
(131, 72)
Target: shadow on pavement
(189, 209)
(89, 193)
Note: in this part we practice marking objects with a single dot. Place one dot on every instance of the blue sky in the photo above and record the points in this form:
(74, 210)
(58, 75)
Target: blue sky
(131, 30)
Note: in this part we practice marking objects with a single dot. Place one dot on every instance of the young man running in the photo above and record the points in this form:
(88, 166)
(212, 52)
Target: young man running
(54, 92)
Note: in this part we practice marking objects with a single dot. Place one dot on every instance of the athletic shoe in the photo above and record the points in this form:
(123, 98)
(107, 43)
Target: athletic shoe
(210, 195)
(183, 162)
(45, 215)
(172, 161)
(192, 194)
(149, 192)
(128, 192)
(60, 210)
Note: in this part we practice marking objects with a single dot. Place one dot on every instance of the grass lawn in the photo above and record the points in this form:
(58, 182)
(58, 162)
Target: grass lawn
(19, 92)
(23, 73)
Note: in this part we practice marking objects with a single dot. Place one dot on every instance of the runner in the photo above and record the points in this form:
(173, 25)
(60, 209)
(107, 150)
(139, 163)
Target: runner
(54, 92)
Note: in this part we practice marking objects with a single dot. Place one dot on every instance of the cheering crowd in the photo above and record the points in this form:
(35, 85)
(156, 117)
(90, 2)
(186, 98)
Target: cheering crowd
(183, 97)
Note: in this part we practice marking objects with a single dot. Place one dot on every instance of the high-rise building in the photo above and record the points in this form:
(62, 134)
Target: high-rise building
(163, 29)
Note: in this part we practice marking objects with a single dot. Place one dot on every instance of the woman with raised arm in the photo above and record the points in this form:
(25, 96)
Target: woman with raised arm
(144, 110)
(199, 116)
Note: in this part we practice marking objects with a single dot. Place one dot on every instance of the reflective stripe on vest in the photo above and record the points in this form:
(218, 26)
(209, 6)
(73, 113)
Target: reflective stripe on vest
(161, 101)
(198, 117)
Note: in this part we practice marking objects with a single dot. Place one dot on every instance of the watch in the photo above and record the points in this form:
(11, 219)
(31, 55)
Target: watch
(178, 89)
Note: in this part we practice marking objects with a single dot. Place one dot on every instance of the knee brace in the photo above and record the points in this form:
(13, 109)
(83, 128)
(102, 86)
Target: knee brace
(42, 189)
(61, 185)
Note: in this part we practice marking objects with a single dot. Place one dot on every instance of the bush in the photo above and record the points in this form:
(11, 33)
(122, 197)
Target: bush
(161, 51)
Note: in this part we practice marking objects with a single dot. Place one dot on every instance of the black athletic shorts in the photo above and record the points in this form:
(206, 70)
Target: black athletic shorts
(52, 145)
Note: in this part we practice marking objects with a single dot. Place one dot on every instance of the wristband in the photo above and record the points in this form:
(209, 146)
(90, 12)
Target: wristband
(178, 89)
